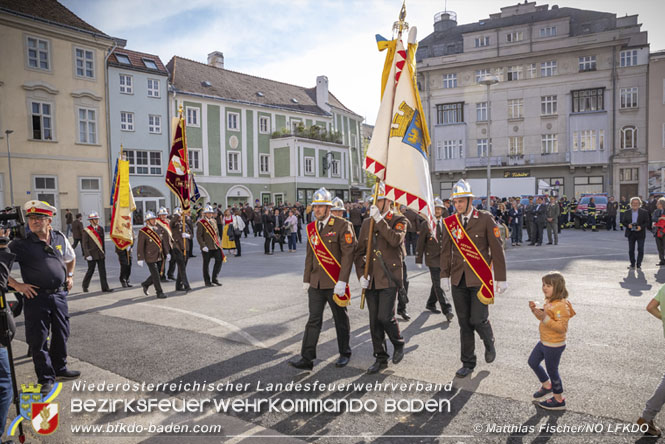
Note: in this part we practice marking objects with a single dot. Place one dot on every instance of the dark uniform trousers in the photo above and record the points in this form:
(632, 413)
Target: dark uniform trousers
(101, 266)
(381, 307)
(411, 241)
(172, 264)
(47, 311)
(216, 268)
(401, 304)
(317, 303)
(125, 259)
(153, 278)
(436, 292)
(472, 315)
(257, 227)
(180, 259)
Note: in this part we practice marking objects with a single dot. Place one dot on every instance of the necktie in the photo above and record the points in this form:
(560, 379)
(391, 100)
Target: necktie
(466, 220)
(320, 226)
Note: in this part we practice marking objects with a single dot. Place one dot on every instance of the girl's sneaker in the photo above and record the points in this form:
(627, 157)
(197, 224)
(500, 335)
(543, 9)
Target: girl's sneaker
(542, 392)
(553, 404)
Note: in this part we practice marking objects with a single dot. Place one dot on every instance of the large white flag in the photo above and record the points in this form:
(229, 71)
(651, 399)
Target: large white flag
(398, 150)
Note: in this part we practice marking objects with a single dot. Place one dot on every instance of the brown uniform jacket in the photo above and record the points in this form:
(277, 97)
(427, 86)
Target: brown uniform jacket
(165, 232)
(177, 228)
(414, 221)
(356, 216)
(147, 249)
(428, 245)
(339, 238)
(77, 229)
(391, 232)
(204, 238)
(90, 247)
(481, 230)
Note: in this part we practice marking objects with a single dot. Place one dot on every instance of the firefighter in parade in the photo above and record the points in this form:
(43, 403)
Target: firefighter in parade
(571, 213)
(165, 225)
(337, 209)
(207, 236)
(152, 250)
(430, 246)
(181, 237)
(383, 279)
(623, 207)
(591, 216)
(564, 204)
(328, 261)
(470, 243)
(94, 251)
(125, 260)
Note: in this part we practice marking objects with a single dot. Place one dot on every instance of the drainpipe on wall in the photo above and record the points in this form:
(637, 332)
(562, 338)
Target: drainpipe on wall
(108, 117)
(614, 117)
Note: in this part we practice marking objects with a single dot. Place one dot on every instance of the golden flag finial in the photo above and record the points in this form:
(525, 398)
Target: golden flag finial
(180, 110)
(401, 25)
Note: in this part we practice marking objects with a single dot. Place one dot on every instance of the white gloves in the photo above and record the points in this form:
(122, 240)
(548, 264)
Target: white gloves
(140, 263)
(501, 287)
(364, 282)
(88, 258)
(168, 257)
(305, 286)
(445, 284)
(204, 249)
(186, 235)
(340, 288)
(375, 213)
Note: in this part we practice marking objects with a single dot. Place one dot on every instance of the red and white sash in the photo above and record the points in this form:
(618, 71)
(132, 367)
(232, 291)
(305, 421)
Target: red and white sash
(328, 262)
(96, 238)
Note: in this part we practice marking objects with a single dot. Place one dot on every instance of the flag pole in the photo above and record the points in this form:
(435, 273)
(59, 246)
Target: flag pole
(185, 212)
(398, 26)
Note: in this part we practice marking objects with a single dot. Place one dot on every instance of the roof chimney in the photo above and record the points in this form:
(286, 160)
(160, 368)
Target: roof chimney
(322, 93)
(216, 59)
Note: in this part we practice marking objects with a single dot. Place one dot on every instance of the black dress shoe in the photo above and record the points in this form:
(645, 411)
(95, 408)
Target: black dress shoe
(163, 279)
(342, 361)
(124, 284)
(46, 388)
(145, 290)
(450, 316)
(490, 353)
(404, 315)
(128, 284)
(216, 282)
(187, 289)
(377, 367)
(170, 278)
(85, 290)
(463, 372)
(192, 256)
(432, 308)
(398, 354)
(67, 375)
(161, 296)
(208, 284)
(302, 364)
(108, 290)
(549, 243)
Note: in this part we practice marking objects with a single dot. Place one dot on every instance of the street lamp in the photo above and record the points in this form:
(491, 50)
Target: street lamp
(9, 161)
(489, 81)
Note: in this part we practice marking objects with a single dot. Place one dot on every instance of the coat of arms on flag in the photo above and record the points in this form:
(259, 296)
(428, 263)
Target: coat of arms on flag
(40, 410)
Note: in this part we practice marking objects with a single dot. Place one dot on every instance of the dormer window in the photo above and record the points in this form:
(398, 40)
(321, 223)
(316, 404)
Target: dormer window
(123, 59)
(150, 64)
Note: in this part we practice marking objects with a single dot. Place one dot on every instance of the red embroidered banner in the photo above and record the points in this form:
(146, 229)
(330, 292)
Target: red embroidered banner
(328, 262)
(473, 257)
(153, 236)
(94, 235)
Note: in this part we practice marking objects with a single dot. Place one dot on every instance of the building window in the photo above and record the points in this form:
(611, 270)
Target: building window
(42, 121)
(515, 108)
(587, 140)
(126, 121)
(334, 168)
(516, 145)
(126, 84)
(588, 100)
(233, 162)
(450, 80)
(147, 163)
(481, 73)
(194, 159)
(482, 147)
(451, 149)
(309, 166)
(628, 58)
(629, 97)
(532, 71)
(449, 113)
(549, 144)
(153, 88)
(123, 59)
(587, 63)
(85, 63)
(548, 105)
(548, 31)
(232, 121)
(481, 111)
(514, 73)
(628, 137)
(264, 125)
(193, 116)
(515, 36)
(629, 174)
(150, 64)
(87, 125)
(264, 163)
(154, 124)
(548, 69)
(482, 41)
(38, 53)
(354, 141)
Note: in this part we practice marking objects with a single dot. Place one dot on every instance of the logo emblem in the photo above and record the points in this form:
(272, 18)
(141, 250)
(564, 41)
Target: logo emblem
(348, 238)
(44, 417)
(457, 233)
(39, 410)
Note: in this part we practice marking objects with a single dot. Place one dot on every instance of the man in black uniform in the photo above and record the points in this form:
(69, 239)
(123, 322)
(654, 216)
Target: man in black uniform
(94, 251)
(125, 259)
(47, 263)
(181, 238)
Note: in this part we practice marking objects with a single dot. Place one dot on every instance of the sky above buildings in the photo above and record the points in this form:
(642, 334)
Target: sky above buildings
(294, 41)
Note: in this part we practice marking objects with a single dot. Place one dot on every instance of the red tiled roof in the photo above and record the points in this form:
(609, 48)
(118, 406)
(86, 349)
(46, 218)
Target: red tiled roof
(49, 10)
(136, 60)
